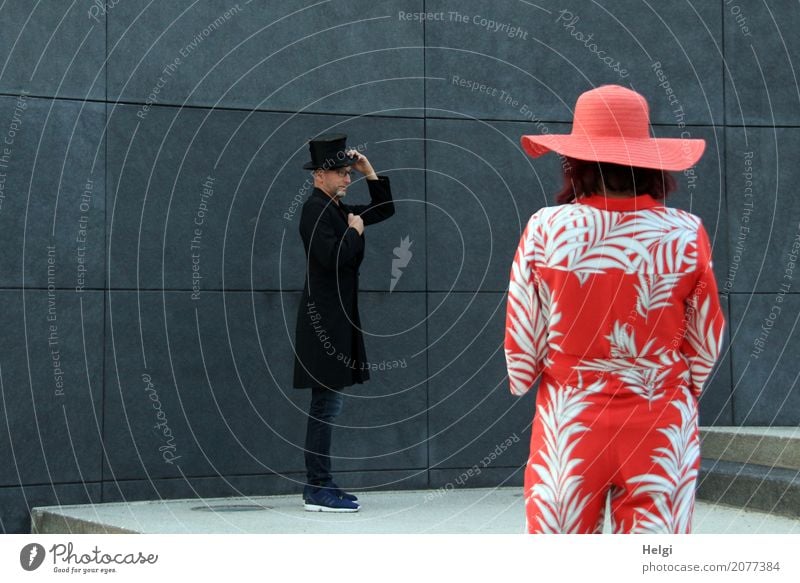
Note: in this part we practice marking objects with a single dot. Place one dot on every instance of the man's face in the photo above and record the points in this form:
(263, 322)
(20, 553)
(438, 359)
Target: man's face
(334, 182)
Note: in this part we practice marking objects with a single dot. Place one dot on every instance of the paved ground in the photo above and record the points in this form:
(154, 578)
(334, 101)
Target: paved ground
(428, 511)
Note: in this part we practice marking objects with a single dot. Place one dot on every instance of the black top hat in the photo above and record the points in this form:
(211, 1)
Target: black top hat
(329, 151)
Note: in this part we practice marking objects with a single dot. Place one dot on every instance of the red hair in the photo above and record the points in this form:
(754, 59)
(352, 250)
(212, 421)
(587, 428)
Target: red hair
(584, 178)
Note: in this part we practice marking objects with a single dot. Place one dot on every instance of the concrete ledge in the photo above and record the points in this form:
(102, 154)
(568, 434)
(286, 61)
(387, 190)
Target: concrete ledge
(465, 511)
(750, 486)
(765, 446)
(51, 521)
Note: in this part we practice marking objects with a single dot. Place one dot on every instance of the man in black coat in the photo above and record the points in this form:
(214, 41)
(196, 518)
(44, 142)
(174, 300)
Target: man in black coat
(329, 344)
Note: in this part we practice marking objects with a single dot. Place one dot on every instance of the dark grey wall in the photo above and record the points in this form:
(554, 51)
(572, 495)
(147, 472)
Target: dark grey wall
(113, 116)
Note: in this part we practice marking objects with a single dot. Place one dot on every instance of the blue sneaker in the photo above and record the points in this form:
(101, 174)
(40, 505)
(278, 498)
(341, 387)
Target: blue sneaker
(323, 500)
(337, 491)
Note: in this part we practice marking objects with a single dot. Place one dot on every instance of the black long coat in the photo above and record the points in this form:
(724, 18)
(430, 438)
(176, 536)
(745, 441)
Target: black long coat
(329, 345)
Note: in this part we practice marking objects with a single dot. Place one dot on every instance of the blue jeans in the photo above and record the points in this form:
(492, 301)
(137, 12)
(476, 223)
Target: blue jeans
(326, 404)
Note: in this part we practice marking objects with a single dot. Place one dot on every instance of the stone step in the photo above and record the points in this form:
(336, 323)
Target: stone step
(47, 521)
(774, 490)
(777, 447)
(459, 511)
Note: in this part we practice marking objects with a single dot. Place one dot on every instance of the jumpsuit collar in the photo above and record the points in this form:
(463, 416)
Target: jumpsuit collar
(633, 203)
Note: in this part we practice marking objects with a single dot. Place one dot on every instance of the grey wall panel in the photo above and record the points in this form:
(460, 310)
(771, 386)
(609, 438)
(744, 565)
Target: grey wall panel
(701, 189)
(376, 480)
(186, 182)
(383, 425)
(384, 422)
(482, 189)
(206, 199)
(17, 502)
(445, 480)
(535, 59)
(259, 79)
(472, 413)
(765, 368)
(53, 48)
(52, 383)
(716, 402)
(52, 192)
(763, 211)
(268, 56)
(189, 390)
(245, 417)
(761, 48)
(246, 486)
(211, 487)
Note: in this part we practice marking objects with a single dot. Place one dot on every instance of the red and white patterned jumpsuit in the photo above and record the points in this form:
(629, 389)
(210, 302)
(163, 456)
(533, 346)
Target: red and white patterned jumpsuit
(614, 303)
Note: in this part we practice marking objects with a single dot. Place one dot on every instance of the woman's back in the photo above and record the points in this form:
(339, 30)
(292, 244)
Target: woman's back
(615, 280)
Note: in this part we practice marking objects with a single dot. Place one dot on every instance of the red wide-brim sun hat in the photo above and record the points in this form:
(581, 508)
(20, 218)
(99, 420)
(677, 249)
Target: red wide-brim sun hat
(612, 124)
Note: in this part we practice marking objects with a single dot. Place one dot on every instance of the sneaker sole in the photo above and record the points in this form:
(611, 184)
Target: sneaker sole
(318, 508)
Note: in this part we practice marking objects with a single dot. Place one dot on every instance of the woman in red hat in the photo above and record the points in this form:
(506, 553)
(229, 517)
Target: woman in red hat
(613, 302)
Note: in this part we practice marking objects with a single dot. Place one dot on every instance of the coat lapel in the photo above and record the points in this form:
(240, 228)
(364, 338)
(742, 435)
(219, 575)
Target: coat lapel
(339, 210)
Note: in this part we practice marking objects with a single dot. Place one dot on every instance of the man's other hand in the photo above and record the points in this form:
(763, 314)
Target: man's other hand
(355, 222)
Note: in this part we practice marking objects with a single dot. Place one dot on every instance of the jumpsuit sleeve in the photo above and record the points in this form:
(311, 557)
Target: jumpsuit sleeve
(526, 329)
(705, 322)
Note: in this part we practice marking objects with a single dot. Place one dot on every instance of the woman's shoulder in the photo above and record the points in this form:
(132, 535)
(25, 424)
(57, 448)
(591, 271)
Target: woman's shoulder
(679, 216)
(548, 212)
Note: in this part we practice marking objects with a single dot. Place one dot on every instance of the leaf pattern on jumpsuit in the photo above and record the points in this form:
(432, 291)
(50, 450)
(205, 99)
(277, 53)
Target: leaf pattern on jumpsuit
(646, 377)
(558, 495)
(524, 324)
(586, 241)
(532, 317)
(672, 490)
(670, 236)
(647, 340)
(654, 291)
(704, 335)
